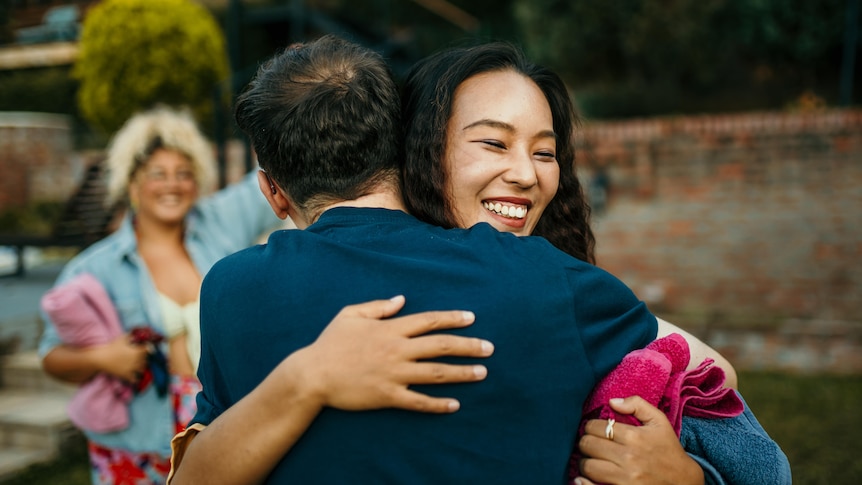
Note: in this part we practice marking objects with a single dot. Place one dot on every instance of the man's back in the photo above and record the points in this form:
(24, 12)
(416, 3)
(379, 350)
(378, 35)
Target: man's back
(557, 325)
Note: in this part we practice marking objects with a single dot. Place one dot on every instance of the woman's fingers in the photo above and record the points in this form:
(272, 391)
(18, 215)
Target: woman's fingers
(438, 373)
(410, 400)
(440, 345)
(422, 323)
(364, 360)
(650, 453)
(408, 325)
(375, 309)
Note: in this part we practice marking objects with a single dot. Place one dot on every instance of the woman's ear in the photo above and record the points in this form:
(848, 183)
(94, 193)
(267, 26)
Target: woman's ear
(134, 197)
(277, 200)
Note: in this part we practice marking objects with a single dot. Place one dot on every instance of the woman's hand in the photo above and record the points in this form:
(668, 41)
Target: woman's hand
(362, 361)
(121, 358)
(648, 454)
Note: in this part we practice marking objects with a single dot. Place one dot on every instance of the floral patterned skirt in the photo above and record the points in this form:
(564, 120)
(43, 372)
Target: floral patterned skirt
(113, 466)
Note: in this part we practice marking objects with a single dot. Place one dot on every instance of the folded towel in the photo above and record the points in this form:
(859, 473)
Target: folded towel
(84, 315)
(657, 373)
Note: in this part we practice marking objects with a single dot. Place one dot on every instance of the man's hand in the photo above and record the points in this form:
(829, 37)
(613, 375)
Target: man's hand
(362, 361)
(648, 454)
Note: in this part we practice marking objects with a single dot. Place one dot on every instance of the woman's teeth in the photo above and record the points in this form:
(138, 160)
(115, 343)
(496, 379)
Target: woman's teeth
(510, 211)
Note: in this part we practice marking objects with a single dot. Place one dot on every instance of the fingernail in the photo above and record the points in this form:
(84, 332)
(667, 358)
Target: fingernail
(469, 317)
(616, 400)
(578, 481)
(397, 298)
(480, 371)
(453, 405)
(487, 347)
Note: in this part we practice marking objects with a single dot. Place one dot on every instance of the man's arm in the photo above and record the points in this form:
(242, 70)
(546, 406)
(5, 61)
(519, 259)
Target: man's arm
(358, 363)
(699, 351)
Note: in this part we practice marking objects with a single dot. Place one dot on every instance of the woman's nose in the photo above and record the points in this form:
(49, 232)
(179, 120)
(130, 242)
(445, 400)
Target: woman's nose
(521, 170)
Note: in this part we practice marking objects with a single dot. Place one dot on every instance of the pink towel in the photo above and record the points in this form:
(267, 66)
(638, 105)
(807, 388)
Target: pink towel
(84, 315)
(657, 374)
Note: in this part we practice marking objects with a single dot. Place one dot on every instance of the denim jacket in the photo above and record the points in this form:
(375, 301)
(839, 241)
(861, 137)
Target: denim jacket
(735, 451)
(217, 226)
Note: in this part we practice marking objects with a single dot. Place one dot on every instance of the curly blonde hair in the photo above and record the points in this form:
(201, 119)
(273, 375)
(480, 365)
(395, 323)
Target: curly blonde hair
(173, 129)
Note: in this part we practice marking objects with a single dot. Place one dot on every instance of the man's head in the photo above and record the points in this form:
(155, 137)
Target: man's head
(323, 117)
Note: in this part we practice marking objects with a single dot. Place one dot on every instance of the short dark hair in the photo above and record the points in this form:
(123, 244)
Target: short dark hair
(323, 117)
(427, 96)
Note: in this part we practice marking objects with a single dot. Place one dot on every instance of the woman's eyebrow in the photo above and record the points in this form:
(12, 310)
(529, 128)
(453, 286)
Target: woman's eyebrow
(502, 125)
(490, 123)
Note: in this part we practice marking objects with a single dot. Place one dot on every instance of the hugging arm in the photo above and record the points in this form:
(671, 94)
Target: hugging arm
(699, 351)
(734, 451)
(359, 362)
(652, 453)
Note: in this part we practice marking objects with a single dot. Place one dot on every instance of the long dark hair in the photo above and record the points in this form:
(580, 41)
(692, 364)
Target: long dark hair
(427, 97)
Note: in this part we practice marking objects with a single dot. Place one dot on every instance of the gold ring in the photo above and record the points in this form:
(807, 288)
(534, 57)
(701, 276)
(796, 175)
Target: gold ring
(609, 429)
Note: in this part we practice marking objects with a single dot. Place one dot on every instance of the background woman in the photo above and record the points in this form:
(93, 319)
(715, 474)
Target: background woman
(152, 268)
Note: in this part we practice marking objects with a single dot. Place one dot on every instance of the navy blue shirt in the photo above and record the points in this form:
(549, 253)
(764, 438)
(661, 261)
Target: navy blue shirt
(557, 324)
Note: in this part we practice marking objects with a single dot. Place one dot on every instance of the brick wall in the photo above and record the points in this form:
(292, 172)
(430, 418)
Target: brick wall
(732, 222)
(36, 159)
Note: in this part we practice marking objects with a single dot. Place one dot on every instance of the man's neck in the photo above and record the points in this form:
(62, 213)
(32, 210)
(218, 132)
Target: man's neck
(381, 199)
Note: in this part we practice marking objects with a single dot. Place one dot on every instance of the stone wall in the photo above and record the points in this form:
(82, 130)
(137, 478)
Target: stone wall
(36, 159)
(736, 223)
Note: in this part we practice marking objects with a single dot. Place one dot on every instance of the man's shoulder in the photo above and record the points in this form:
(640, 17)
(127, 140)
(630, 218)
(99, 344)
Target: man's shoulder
(534, 248)
(235, 262)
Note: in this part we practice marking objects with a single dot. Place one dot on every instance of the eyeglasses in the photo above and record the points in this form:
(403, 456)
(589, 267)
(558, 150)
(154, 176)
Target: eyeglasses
(161, 176)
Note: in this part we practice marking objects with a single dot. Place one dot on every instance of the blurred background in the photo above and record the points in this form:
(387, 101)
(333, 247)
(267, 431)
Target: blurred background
(721, 146)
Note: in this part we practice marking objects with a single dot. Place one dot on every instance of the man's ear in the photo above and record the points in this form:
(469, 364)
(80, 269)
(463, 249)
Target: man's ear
(273, 194)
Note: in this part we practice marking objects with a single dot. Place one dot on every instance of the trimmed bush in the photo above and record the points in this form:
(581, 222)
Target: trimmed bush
(139, 53)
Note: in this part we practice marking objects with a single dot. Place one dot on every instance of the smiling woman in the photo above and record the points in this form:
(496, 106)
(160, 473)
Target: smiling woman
(488, 133)
(152, 268)
(456, 88)
(502, 121)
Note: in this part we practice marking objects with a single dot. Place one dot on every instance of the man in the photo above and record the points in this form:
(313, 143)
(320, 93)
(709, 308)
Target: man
(323, 118)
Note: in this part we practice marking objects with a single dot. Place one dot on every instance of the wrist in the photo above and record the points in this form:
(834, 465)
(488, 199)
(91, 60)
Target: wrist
(293, 380)
(695, 473)
(96, 359)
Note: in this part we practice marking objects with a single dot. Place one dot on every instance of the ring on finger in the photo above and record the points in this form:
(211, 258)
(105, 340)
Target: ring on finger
(609, 429)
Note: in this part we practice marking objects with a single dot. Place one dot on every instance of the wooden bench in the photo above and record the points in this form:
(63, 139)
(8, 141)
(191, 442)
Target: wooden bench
(85, 220)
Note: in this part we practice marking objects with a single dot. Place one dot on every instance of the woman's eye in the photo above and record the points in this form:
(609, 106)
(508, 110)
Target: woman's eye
(185, 176)
(549, 155)
(156, 176)
(494, 143)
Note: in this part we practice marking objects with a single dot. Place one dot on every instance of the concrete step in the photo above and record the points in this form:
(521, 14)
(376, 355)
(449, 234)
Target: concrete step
(15, 460)
(23, 370)
(34, 426)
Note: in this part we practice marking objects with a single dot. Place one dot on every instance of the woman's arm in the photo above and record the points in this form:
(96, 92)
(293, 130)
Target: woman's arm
(120, 358)
(359, 362)
(651, 453)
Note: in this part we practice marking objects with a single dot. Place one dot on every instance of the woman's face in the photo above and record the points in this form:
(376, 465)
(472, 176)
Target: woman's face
(164, 189)
(500, 152)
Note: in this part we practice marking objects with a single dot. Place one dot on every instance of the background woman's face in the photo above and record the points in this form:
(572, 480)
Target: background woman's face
(500, 152)
(164, 189)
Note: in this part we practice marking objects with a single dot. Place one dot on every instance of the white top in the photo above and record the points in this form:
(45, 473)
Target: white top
(183, 319)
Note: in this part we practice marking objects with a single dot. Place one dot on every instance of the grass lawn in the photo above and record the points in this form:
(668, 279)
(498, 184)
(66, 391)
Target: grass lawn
(815, 419)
